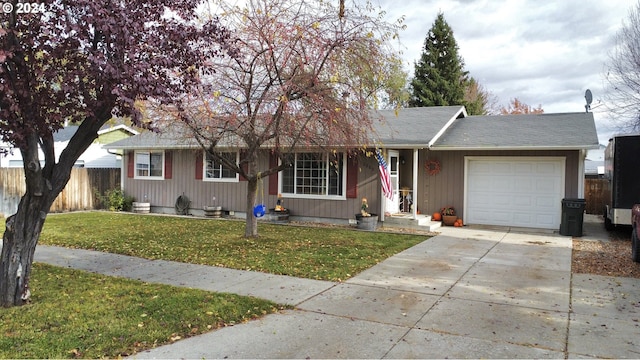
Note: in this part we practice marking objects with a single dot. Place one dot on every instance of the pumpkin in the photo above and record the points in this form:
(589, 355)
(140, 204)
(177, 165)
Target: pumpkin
(458, 222)
(436, 216)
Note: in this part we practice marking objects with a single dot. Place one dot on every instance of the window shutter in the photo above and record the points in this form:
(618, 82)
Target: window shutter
(352, 177)
(199, 165)
(167, 165)
(273, 178)
(130, 164)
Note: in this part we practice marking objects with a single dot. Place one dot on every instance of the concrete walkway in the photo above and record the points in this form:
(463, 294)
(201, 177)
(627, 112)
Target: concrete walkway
(467, 293)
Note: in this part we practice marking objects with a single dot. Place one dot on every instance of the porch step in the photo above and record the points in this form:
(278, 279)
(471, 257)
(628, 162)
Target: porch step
(422, 222)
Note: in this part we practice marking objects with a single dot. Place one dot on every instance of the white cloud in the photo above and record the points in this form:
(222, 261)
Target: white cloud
(541, 51)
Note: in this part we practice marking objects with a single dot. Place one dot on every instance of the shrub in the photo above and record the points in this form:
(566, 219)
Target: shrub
(117, 200)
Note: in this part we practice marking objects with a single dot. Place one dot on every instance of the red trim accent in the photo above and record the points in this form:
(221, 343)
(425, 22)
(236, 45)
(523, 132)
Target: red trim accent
(199, 165)
(168, 171)
(352, 177)
(273, 178)
(130, 164)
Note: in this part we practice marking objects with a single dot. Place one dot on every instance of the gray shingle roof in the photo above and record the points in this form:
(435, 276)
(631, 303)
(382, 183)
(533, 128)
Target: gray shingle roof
(417, 127)
(414, 126)
(152, 140)
(541, 131)
(411, 127)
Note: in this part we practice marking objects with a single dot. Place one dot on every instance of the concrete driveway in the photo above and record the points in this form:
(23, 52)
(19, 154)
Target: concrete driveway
(466, 293)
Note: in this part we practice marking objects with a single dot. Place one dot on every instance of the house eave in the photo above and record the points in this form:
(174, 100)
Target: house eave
(151, 147)
(401, 146)
(513, 148)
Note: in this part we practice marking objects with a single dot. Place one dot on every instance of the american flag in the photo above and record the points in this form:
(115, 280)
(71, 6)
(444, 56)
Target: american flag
(385, 178)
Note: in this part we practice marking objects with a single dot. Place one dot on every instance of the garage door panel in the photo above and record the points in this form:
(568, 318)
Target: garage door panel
(523, 201)
(547, 219)
(524, 168)
(486, 183)
(543, 184)
(491, 201)
(499, 216)
(546, 168)
(482, 183)
(525, 219)
(524, 192)
(502, 168)
(481, 197)
(524, 184)
(481, 168)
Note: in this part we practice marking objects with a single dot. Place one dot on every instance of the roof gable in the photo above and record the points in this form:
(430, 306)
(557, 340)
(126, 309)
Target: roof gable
(418, 126)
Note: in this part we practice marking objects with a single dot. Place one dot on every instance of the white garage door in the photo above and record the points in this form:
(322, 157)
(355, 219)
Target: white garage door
(514, 191)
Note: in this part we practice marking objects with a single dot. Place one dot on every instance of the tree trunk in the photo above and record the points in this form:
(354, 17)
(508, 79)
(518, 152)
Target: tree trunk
(23, 228)
(18, 247)
(251, 224)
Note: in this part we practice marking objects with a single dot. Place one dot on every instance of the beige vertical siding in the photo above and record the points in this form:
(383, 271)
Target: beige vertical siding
(447, 187)
(232, 196)
(163, 193)
(433, 192)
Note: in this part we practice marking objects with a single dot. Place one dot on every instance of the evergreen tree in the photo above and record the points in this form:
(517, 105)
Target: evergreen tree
(439, 79)
(477, 99)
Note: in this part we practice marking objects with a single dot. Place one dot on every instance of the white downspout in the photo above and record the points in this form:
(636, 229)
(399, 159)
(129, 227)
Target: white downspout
(414, 209)
(383, 202)
(123, 168)
(581, 159)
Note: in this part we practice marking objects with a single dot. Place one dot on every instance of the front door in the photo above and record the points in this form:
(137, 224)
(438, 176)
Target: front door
(393, 205)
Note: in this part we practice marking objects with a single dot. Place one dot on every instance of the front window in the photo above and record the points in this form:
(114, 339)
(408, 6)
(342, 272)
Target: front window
(150, 164)
(314, 175)
(216, 171)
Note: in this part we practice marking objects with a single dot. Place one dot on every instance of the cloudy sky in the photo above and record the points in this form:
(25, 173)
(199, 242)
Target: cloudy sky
(544, 52)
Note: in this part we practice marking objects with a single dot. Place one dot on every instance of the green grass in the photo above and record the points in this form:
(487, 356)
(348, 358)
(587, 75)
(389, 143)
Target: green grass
(333, 254)
(75, 314)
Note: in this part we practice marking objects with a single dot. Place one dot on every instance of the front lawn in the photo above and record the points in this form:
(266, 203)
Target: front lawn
(333, 254)
(76, 314)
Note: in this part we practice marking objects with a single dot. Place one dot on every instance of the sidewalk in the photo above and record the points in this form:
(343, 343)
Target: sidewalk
(466, 293)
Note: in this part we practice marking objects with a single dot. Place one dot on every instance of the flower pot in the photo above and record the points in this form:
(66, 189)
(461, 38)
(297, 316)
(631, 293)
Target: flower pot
(367, 222)
(279, 216)
(213, 211)
(141, 207)
(449, 220)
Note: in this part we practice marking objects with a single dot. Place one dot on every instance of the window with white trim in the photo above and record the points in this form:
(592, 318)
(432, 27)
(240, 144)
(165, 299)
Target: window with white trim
(215, 170)
(315, 175)
(149, 165)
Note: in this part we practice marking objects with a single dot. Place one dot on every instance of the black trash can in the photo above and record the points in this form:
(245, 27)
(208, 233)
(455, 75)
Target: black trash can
(572, 217)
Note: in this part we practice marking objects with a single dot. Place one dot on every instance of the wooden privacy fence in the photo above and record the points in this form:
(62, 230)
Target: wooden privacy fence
(79, 194)
(594, 195)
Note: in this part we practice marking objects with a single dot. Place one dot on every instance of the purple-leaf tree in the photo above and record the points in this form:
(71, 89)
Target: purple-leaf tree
(83, 62)
(306, 77)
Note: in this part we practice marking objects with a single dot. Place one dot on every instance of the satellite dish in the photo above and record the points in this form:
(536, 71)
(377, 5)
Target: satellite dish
(589, 97)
